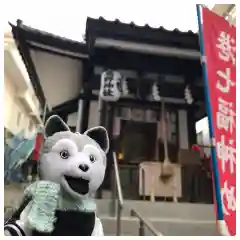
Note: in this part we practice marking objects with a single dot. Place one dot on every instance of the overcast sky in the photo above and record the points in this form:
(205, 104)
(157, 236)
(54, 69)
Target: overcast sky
(68, 18)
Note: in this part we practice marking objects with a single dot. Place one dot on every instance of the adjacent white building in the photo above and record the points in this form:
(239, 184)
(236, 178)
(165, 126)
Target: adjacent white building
(21, 107)
(226, 10)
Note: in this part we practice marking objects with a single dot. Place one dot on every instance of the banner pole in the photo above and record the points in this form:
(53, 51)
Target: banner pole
(216, 181)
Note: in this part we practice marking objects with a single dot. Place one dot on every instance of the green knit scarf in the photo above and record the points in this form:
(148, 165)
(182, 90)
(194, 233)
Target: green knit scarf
(47, 197)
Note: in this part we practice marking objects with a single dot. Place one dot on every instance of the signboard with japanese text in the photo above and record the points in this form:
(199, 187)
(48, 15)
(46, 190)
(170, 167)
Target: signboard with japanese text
(219, 39)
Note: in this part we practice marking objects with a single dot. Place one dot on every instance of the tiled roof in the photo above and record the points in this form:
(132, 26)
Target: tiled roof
(112, 29)
(43, 33)
(46, 38)
(146, 34)
(146, 26)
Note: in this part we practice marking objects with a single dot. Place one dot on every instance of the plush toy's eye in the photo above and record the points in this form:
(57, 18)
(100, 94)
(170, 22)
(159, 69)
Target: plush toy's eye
(92, 158)
(64, 154)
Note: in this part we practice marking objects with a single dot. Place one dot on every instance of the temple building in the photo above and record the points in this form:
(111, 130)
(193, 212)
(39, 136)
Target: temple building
(130, 79)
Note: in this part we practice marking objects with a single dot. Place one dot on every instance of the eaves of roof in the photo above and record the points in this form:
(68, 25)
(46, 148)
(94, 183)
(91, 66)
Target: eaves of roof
(43, 38)
(143, 34)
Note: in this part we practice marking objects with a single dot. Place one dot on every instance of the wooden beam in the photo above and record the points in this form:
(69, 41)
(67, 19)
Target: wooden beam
(146, 63)
(55, 51)
(148, 48)
(135, 103)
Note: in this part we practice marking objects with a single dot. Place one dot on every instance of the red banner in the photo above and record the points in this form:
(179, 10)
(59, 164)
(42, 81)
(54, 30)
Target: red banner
(220, 49)
(38, 144)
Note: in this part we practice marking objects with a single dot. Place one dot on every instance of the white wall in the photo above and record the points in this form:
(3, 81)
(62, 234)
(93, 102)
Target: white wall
(13, 109)
(17, 114)
(223, 9)
(93, 114)
(9, 105)
(202, 130)
(60, 77)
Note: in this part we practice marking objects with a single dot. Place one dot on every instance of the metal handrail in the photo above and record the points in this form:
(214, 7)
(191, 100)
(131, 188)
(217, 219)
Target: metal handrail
(142, 221)
(119, 195)
(117, 176)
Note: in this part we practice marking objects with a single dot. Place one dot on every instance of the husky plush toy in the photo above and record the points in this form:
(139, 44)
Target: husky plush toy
(71, 168)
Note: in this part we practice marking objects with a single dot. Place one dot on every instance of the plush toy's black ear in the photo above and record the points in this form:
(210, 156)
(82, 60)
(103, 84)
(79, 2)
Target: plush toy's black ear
(100, 135)
(55, 124)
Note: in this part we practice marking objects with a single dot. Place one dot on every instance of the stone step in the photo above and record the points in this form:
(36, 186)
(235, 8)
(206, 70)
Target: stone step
(171, 219)
(167, 227)
(13, 195)
(185, 211)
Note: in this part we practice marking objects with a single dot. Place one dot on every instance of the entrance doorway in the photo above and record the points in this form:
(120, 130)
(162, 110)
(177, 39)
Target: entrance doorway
(135, 144)
(137, 141)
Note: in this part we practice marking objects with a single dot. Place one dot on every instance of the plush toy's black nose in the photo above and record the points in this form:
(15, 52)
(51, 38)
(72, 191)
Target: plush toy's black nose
(84, 167)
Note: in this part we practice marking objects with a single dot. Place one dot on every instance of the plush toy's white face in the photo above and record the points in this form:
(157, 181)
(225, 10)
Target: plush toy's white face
(76, 161)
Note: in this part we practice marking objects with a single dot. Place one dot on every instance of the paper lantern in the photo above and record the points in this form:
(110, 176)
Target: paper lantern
(156, 92)
(188, 95)
(111, 86)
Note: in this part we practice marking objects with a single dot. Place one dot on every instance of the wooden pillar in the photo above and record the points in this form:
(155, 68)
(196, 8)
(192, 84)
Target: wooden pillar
(85, 112)
(110, 122)
(192, 135)
(106, 120)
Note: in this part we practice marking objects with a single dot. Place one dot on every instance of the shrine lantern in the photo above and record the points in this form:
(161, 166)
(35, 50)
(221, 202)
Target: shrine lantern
(111, 86)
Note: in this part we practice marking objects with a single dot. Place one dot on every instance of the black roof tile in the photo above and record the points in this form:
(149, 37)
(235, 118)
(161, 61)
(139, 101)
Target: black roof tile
(49, 39)
(132, 32)
(117, 21)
